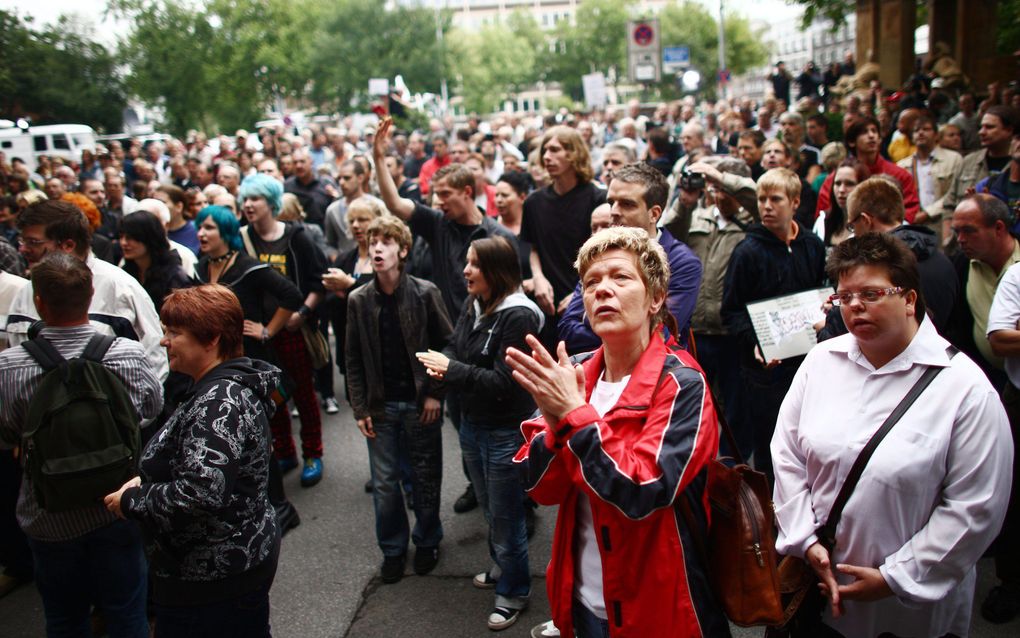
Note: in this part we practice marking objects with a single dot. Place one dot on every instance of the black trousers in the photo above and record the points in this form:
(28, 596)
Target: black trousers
(15, 555)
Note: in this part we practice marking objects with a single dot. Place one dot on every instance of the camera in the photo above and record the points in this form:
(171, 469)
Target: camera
(690, 181)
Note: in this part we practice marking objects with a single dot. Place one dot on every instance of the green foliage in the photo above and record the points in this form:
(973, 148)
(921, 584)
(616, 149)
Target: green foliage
(360, 39)
(595, 41)
(57, 74)
(1009, 27)
(491, 64)
(834, 10)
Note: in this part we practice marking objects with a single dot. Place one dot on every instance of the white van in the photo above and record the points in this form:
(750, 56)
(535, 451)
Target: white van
(54, 140)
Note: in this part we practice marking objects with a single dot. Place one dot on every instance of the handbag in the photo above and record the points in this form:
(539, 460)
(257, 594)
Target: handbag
(803, 602)
(739, 551)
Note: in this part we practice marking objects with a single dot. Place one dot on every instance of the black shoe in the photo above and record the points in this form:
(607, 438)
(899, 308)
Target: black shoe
(393, 568)
(368, 486)
(425, 560)
(286, 517)
(1002, 604)
(467, 501)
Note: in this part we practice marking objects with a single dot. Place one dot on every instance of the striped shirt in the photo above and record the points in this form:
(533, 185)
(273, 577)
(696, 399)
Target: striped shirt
(19, 377)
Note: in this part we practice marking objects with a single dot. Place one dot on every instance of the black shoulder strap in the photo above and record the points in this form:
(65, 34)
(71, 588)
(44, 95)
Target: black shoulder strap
(44, 353)
(827, 533)
(97, 347)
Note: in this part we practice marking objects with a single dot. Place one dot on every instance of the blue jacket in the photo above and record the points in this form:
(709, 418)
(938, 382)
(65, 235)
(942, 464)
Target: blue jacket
(684, 283)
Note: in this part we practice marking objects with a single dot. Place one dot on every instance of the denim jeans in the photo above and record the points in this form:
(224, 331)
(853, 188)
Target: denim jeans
(586, 623)
(107, 567)
(489, 455)
(424, 446)
(246, 616)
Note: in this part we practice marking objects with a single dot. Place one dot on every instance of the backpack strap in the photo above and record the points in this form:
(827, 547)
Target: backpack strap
(249, 247)
(97, 347)
(44, 353)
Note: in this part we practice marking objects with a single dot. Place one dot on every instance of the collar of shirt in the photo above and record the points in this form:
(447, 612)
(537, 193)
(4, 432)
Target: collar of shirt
(926, 348)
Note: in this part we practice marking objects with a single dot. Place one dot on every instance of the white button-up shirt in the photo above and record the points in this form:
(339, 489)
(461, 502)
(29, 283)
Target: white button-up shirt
(931, 499)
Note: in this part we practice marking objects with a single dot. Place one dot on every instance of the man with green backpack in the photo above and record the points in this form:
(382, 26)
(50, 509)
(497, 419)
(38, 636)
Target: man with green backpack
(72, 399)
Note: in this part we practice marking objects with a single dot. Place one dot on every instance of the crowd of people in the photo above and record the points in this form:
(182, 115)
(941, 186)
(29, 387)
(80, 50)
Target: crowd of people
(571, 292)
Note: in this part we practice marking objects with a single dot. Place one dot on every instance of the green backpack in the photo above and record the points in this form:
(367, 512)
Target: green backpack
(81, 436)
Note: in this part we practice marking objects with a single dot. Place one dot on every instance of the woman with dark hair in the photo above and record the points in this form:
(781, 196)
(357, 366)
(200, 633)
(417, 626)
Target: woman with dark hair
(201, 496)
(148, 258)
(831, 224)
(496, 316)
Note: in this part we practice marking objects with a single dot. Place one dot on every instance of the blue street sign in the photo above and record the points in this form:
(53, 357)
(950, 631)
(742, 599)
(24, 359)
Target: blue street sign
(676, 57)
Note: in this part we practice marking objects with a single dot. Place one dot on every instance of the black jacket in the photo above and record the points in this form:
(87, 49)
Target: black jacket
(203, 503)
(489, 395)
(940, 287)
(424, 324)
(761, 267)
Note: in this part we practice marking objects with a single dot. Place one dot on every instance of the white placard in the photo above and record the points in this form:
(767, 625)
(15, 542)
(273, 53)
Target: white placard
(784, 325)
(594, 90)
(378, 86)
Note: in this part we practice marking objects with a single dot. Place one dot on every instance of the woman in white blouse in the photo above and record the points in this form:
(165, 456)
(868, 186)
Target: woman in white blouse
(933, 495)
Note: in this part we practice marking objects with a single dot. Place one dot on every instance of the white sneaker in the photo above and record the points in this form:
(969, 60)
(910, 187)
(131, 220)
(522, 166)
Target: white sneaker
(501, 617)
(332, 407)
(545, 630)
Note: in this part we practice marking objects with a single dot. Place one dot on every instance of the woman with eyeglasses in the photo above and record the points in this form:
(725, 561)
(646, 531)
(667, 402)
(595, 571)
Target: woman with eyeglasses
(933, 495)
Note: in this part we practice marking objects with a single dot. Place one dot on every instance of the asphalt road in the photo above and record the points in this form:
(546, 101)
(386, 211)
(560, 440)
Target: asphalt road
(327, 584)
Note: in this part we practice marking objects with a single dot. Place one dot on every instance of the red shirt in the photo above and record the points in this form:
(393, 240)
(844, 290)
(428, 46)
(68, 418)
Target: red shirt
(428, 169)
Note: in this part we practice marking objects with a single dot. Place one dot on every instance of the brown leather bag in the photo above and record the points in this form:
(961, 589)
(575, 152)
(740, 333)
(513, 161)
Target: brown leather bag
(740, 552)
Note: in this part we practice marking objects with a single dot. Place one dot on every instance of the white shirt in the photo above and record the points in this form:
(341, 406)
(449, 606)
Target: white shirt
(1005, 314)
(188, 258)
(931, 499)
(925, 181)
(588, 563)
(120, 306)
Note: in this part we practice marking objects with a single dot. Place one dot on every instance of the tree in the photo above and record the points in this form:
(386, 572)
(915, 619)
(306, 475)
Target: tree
(691, 24)
(595, 41)
(493, 63)
(362, 39)
(58, 74)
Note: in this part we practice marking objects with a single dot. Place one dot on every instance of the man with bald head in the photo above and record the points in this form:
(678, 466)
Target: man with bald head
(308, 187)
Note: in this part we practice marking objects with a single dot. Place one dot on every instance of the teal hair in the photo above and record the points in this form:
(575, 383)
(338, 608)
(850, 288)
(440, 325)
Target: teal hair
(264, 186)
(223, 217)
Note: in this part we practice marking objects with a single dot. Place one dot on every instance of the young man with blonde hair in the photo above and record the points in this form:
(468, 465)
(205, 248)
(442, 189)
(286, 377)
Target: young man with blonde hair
(779, 256)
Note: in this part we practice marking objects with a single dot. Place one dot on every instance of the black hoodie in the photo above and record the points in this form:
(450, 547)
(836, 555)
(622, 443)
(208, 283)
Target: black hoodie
(763, 266)
(203, 504)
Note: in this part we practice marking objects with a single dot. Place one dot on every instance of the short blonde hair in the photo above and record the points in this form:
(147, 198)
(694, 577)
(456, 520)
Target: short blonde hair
(650, 257)
(780, 179)
(364, 205)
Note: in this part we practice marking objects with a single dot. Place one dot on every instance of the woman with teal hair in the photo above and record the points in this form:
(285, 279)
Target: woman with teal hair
(267, 300)
(289, 249)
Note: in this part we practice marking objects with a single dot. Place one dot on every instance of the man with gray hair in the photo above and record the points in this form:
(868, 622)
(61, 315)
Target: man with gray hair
(615, 155)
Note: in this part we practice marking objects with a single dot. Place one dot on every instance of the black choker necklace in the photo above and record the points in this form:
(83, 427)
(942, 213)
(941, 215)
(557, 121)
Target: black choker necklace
(221, 258)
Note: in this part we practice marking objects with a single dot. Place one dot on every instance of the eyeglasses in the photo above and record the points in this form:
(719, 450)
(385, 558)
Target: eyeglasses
(32, 243)
(871, 295)
(850, 224)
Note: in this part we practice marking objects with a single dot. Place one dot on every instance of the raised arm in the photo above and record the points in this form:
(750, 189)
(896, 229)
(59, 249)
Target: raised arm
(399, 206)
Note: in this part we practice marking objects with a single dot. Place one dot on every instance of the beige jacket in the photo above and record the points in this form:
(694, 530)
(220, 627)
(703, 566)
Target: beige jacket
(945, 165)
(713, 246)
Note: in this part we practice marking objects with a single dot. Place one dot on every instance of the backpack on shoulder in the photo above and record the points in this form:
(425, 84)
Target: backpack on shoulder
(81, 436)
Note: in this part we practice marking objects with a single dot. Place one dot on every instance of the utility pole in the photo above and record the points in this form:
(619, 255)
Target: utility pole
(722, 54)
(445, 99)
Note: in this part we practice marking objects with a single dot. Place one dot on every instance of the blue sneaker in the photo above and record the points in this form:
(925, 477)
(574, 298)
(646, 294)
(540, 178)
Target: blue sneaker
(287, 464)
(312, 472)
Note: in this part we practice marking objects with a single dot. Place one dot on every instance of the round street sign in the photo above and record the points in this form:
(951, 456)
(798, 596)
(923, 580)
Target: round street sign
(643, 35)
